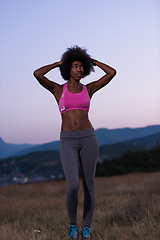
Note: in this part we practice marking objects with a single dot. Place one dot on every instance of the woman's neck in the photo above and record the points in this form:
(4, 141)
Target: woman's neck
(74, 84)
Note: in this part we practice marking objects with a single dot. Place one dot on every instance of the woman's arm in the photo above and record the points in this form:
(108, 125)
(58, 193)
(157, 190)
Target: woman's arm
(44, 81)
(103, 81)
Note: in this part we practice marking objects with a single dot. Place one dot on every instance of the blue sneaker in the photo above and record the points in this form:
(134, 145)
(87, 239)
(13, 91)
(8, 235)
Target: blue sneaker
(73, 232)
(86, 233)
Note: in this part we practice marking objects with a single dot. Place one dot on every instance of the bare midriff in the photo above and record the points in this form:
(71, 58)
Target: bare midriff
(75, 120)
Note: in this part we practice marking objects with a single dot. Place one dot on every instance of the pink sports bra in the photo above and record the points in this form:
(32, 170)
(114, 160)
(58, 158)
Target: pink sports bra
(69, 101)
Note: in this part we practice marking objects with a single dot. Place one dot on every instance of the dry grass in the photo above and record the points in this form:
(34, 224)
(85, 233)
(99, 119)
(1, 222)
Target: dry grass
(127, 208)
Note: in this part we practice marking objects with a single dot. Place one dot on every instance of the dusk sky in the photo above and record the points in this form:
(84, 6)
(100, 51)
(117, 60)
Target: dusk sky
(124, 34)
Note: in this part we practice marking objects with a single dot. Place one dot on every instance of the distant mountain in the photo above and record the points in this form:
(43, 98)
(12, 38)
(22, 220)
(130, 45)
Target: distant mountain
(107, 136)
(8, 149)
(52, 146)
(104, 136)
(47, 164)
(109, 151)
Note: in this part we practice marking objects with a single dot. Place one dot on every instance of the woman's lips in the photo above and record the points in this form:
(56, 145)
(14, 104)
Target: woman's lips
(79, 74)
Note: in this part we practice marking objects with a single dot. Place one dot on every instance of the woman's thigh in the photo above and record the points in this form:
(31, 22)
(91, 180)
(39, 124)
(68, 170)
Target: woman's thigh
(89, 155)
(70, 160)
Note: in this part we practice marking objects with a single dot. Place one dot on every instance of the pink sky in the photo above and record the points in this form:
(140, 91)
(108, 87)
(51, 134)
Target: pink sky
(122, 34)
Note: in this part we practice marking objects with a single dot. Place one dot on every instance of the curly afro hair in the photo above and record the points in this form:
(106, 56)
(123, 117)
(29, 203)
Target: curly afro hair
(75, 54)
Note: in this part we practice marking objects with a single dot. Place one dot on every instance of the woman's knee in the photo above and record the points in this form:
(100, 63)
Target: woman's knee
(88, 185)
(72, 189)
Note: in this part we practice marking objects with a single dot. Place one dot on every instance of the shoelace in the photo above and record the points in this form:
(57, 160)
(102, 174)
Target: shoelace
(72, 232)
(86, 231)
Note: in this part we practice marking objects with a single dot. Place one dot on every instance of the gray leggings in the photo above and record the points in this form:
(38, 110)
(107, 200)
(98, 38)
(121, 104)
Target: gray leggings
(79, 147)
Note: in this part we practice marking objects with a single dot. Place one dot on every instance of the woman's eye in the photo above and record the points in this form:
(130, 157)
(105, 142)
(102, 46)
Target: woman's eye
(77, 67)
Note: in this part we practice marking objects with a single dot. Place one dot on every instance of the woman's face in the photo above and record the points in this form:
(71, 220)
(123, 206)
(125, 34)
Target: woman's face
(77, 70)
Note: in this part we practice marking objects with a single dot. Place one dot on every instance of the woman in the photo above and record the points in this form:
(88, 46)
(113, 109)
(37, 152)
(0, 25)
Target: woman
(78, 144)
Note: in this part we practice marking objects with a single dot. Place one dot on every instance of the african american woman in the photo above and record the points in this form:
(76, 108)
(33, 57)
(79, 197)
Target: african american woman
(78, 144)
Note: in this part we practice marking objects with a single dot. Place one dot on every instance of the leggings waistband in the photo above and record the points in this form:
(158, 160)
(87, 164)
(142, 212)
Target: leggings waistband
(77, 133)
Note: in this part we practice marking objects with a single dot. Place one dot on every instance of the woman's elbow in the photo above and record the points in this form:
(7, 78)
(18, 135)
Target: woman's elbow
(35, 74)
(114, 72)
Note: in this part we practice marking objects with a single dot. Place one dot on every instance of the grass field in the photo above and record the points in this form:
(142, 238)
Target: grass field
(127, 208)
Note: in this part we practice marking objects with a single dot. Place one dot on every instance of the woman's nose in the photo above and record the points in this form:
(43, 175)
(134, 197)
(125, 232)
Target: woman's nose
(79, 69)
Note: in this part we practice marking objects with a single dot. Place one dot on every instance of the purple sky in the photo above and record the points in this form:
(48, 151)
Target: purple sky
(124, 34)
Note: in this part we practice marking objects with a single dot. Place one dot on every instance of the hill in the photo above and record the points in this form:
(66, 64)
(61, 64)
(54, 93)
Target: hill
(52, 146)
(35, 166)
(131, 162)
(44, 165)
(9, 149)
(107, 136)
(116, 150)
(104, 136)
